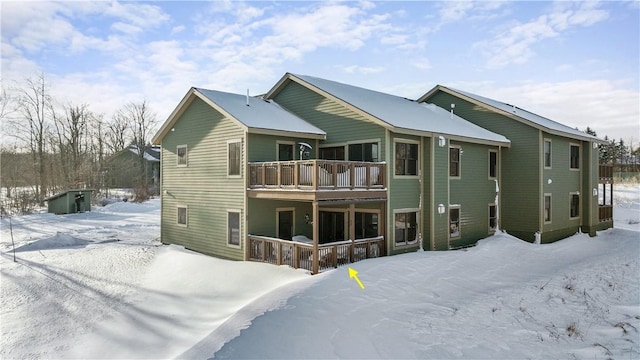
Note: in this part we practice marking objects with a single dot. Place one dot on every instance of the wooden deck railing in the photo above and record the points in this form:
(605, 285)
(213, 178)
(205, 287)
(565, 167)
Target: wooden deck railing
(317, 174)
(605, 173)
(605, 212)
(300, 255)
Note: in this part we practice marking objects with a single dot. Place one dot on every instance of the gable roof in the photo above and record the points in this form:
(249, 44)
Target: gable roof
(514, 112)
(151, 153)
(394, 112)
(259, 116)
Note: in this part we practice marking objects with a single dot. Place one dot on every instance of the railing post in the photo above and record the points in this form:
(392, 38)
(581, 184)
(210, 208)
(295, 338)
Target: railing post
(334, 251)
(263, 175)
(352, 175)
(279, 174)
(296, 175)
(316, 235)
(296, 257)
(279, 253)
(315, 173)
(264, 250)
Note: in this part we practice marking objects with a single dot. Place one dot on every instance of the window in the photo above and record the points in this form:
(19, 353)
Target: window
(454, 222)
(181, 151)
(235, 156)
(406, 159)
(285, 152)
(406, 225)
(233, 228)
(182, 215)
(454, 162)
(547, 153)
(575, 205)
(547, 208)
(332, 153)
(493, 164)
(363, 152)
(575, 157)
(493, 218)
(366, 225)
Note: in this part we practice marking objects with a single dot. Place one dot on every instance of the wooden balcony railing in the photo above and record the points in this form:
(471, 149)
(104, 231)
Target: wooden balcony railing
(317, 175)
(605, 173)
(300, 255)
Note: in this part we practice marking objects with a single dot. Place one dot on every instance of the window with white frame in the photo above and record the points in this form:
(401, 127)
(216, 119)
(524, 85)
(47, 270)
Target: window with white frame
(234, 160)
(182, 216)
(493, 218)
(233, 228)
(493, 164)
(547, 208)
(575, 157)
(454, 161)
(547, 153)
(575, 205)
(181, 152)
(406, 159)
(406, 227)
(454, 222)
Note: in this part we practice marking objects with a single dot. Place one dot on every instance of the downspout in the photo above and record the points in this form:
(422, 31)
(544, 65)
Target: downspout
(432, 230)
(540, 182)
(421, 183)
(245, 197)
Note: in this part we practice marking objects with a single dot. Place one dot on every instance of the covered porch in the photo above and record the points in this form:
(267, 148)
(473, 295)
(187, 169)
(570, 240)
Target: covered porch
(327, 212)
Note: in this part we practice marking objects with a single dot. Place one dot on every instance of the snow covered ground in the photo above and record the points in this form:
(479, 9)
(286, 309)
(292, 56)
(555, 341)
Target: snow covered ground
(100, 285)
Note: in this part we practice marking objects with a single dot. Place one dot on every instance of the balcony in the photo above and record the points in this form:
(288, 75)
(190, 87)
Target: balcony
(315, 180)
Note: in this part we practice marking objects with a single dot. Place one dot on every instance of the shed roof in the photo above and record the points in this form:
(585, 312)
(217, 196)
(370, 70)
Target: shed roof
(398, 113)
(60, 194)
(513, 111)
(256, 114)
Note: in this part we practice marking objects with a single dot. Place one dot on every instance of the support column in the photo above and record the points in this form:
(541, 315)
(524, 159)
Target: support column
(316, 235)
(352, 229)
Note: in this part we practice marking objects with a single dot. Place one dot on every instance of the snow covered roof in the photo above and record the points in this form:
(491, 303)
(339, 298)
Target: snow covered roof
(255, 113)
(401, 114)
(259, 114)
(528, 117)
(152, 153)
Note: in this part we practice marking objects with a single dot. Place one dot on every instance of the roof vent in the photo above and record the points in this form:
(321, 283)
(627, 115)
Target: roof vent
(453, 106)
(247, 97)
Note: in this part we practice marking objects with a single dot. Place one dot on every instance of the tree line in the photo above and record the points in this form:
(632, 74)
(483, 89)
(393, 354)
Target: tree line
(55, 145)
(624, 157)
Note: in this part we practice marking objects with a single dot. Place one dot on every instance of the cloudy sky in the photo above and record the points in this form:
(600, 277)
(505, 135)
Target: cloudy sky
(577, 63)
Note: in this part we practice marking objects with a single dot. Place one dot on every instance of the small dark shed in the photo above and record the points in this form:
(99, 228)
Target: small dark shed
(70, 201)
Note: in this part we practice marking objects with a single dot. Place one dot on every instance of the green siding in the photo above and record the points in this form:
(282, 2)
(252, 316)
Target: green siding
(203, 186)
(341, 124)
(519, 187)
(264, 147)
(441, 196)
(473, 191)
(404, 191)
(524, 180)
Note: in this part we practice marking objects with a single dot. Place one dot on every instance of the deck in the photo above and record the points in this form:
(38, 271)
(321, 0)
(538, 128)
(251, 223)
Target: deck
(300, 255)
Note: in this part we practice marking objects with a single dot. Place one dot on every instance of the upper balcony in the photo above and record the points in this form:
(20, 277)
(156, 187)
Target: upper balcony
(314, 180)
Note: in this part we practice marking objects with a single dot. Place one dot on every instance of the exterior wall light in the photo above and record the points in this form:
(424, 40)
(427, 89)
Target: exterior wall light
(595, 191)
(441, 209)
(442, 141)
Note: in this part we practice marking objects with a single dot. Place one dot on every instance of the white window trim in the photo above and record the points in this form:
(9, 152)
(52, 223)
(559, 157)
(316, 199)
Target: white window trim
(278, 211)
(283, 142)
(459, 161)
(550, 154)
(238, 211)
(233, 141)
(489, 164)
(406, 141)
(406, 243)
(186, 155)
(550, 207)
(453, 207)
(178, 207)
(579, 156)
(571, 194)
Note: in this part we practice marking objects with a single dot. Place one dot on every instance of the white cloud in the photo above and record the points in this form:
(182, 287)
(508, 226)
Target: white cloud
(362, 69)
(515, 45)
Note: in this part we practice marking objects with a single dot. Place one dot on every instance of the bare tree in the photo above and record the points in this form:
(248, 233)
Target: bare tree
(32, 126)
(142, 122)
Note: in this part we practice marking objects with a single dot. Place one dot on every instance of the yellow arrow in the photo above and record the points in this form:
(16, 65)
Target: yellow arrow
(354, 274)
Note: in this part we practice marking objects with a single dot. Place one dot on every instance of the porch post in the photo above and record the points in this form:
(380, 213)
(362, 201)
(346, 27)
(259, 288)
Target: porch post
(352, 229)
(316, 235)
